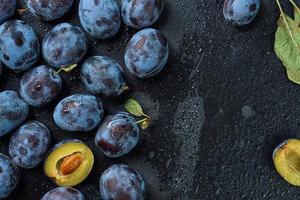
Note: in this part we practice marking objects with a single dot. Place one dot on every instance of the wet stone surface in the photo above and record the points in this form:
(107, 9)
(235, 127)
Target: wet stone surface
(220, 107)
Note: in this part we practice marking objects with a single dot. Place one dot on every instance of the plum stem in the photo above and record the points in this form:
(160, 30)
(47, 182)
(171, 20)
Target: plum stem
(22, 11)
(141, 121)
(126, 88)
(66, 69)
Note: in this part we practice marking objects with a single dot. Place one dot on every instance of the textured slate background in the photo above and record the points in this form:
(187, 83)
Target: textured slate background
(219, 108)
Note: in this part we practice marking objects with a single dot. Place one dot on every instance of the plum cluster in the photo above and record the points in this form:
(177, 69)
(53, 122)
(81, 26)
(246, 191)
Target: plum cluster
(69, 162)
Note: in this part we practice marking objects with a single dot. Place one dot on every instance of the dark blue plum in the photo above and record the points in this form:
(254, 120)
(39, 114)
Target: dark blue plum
(78, 112)
(241, 12)
(49, 10)
(7, 9)
(19, 45)
(117, 135)
(13, 111)
(103, 76)
(40, 85)
(141, 13)
(100, 18)
(63, 193)
(64, 45)
(122, 182)
(9, 176)
(29, 144)
(146, 53)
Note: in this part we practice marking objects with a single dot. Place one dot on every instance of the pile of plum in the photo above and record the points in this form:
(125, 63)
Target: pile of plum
(69, 162)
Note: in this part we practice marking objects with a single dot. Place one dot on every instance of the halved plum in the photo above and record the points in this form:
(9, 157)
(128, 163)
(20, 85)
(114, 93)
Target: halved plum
(69, 163)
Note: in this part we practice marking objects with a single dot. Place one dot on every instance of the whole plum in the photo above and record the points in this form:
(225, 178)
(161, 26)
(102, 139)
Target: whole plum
(146, 53)
(117, 135)
(64, 45)
(122, 182)
(103, 76)
(13, 111)
(101, 19)
(240, 12)
(19, 45)
(7, 9)
(40, 85)
(29, 144)
(63, 193)
(49, 10)
(9, 176)
(141, 13)
(78, 112)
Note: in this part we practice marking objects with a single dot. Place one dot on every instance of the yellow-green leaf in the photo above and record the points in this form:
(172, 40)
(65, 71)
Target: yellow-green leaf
(287, 46)
(133, 107)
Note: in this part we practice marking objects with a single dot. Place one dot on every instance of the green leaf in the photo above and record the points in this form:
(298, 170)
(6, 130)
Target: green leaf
(133, 107)
(287, 40)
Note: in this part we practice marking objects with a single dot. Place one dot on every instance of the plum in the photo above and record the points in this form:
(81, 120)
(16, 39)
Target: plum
(19, 45)
(141, 13)
(40, 85)
(13, 111)
(66, 193)
(63, 193)
(241, 12)
(100, 18)
(122, 182)
(102, 75)
(69, 162)
(64, 45)
(49, 10)
(9, 176)
(7, 9)
(117, 135)
(286, 158)
(79, 112)
(146, 53)
(29, 144)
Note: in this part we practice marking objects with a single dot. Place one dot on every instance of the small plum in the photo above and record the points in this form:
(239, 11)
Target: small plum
(29, 144)
(63, 193)
(241, 12)
(78, 112)
(102, 75)
(141, 13)
(122, 182)
(13, 111)
(146, 53)
(19, 45)
(100, 19)
(117, 135)
(49, 10)
(40, 85)
(9, 176)
(7, 9)
(64, 45)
